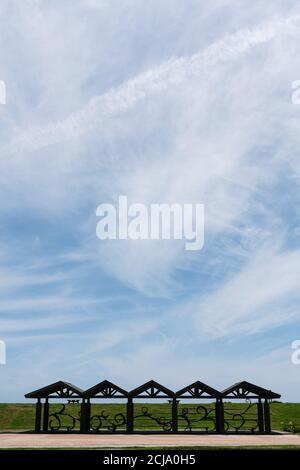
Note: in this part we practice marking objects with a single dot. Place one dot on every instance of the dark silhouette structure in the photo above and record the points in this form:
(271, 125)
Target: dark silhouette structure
(243, 407)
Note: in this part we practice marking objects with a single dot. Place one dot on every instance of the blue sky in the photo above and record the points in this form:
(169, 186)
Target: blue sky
(162, 101)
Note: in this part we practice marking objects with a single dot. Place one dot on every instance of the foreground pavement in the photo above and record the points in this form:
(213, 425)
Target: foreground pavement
(26, 440)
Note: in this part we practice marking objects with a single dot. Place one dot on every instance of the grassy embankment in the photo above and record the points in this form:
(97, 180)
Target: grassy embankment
(285, 416)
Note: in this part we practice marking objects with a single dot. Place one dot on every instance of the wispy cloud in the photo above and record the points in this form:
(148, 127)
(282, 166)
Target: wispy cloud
(171, 73)
(260, 296)
(163, 125)
(55, 322)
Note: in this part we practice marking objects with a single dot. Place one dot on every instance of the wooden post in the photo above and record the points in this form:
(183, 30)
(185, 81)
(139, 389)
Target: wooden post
(267, 416)
(219, 415)
(46, 416)
(129, 421)
(38, 415)
(83, 421)
(174, 415)
(88, 416)
(260, 416)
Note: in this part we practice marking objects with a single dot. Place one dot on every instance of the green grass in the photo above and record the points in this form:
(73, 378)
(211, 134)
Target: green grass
(21, 416)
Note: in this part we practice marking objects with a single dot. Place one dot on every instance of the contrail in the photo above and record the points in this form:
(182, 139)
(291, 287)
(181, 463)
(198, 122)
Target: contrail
(171, 73)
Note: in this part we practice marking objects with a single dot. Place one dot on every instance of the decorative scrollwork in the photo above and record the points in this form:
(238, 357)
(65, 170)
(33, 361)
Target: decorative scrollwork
(240, 420)
(162, 421)
(201, 414)
(103, 421)
(55, 420)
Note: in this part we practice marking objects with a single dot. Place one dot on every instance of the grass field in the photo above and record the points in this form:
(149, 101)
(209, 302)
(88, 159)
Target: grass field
(284, 416)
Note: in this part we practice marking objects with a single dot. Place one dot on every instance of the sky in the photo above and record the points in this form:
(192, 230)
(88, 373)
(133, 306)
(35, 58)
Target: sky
(164, 101)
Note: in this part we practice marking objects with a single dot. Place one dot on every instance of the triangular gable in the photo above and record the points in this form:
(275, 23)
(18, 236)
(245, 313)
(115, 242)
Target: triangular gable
(198, 390)
(58, 389)
(105, 389)
(151, 389)
(247, 390)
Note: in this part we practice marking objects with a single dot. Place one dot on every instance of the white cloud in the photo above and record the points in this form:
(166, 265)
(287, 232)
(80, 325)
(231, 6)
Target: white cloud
(12, 327)
(173, 72)
(262, 295)
(216, 127)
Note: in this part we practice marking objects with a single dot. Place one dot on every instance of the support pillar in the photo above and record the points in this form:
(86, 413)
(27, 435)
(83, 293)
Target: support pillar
(38, 415)
(46, 416)
(83, 417)
(174, 415)
(260, 416)
(219, 416)
(88, 415)
(129, 421)
(267, 416)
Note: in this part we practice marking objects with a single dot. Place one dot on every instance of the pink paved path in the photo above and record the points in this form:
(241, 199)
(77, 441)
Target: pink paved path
(135, 440)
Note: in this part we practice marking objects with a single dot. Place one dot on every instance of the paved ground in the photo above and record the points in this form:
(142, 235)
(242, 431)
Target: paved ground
(122, 440)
